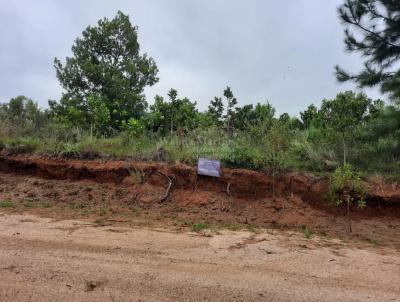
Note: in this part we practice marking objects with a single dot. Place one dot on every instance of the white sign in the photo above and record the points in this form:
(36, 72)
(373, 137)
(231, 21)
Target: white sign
(209, 167)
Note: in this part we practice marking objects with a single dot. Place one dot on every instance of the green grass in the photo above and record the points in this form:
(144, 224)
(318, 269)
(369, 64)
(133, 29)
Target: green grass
(252, 228)
(28, 204)
(103, 212)
(308, 233)
(6, 204)
(230, 226)
(46, 205)
(199, 226)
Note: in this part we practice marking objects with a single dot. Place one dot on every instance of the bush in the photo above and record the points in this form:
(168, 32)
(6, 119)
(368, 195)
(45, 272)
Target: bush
(23, 145)
(246, 157)
(346, 187)
(199, 226)
(68, 150)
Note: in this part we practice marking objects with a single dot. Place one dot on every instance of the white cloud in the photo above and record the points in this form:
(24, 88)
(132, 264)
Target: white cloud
(280, 51)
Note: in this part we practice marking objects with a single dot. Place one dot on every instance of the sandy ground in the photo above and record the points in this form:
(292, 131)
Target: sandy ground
(46, 260)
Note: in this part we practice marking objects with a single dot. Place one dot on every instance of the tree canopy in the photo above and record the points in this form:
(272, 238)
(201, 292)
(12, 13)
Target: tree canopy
(106, 66)
(373, 31)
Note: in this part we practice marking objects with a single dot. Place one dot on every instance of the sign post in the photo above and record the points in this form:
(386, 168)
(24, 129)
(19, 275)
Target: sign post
(209, 167)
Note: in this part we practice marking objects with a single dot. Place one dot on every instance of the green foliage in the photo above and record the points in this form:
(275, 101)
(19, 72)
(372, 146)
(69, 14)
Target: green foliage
(346, 186)
(22, 116)
(134, 128)
(22, 145)
(242, 156)
(199, 226)
(6, 204)
(231, 103)
(308, 233)
(308, 116)
(99, 113)
(377, 39)
(216, 111)
(170, 116)
(105, 77)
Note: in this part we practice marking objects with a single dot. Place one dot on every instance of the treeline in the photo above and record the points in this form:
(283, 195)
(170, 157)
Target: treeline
(103, 110)
(349, 128)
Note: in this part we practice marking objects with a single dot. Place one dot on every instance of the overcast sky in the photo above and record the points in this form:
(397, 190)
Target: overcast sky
(277, 51)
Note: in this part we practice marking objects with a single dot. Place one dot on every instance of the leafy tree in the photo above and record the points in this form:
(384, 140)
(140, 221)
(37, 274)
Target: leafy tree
(182, 112)
(106, 63)
(231, 103)
(173, 107)
(172, 115)
(264, 113)
(158, 117)
(22, 114)
(216, 111)
(274, 138)
(133, 127)
(346, 187)
(373, 30)
(380, 140)
(277, 142)
(308, 115)
(344, 114)
(99, 114)
(243, 117)
(284, 118)
(248, 115)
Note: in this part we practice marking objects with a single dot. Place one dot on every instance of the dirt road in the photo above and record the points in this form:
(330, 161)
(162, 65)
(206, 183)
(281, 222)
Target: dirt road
(45, 260)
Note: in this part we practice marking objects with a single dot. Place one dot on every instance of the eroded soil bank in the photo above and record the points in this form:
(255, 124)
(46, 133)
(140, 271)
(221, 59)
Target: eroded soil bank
(128, 190)
(238, 183)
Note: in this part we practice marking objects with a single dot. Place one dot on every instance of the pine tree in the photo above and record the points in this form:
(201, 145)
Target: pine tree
(231, 103)
(216, 110)
(377, 38)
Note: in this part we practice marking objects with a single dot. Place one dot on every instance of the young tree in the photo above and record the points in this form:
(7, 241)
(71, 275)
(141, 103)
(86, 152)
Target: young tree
(265, 113)
(231, 103)
(344, 114)
(346, 187)
(243, 117)
(106, 62)
(173, 115)
(216, 110)
(308, 115)
(373, 30)
(158, 118)
(22, 114)
(173, 107)
(99, 114)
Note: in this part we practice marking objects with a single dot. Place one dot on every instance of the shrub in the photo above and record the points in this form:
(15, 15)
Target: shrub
(241, 156)
(199, 226)
(22, 145)
(6, 204)
(346, 187)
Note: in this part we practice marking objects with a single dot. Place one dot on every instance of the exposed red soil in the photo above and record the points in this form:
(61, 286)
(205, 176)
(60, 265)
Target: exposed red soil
(240, 183)
(300, 198)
